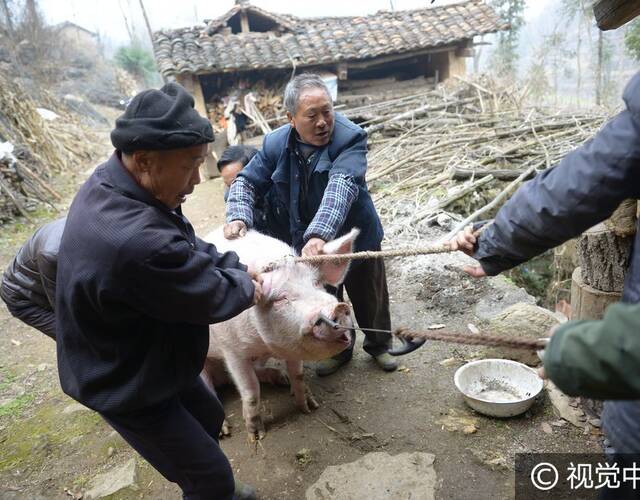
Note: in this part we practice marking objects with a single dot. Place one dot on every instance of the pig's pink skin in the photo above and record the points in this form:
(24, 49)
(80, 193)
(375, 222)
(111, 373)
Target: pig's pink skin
(283, 327)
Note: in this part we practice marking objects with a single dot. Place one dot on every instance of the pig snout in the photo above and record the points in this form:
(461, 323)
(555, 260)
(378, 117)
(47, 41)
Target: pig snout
(341, 314)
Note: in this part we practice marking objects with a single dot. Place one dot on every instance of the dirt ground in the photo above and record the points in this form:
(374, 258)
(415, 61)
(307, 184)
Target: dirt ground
(50, 447)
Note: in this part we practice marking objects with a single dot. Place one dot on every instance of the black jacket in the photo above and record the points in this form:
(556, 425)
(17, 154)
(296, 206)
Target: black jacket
(29, 283)
(31, 276)
(136, 292)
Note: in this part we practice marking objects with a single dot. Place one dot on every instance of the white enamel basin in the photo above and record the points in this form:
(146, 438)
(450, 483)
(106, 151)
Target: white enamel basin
(498, 387)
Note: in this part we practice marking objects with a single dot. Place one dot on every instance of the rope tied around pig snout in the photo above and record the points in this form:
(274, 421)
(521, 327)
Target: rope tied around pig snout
(473, 339)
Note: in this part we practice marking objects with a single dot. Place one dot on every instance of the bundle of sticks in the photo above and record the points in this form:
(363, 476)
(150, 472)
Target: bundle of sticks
(443, 145)
(268, 102)
(35, 150)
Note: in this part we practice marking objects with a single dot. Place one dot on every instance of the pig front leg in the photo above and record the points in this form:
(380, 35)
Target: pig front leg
(244, 376)
(304, 399)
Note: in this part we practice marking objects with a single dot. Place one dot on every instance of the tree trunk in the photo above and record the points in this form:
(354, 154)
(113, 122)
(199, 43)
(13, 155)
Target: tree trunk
(603, 258)
(146, 22)
(126, 21)
(578, 66)
(599, 70)
(586, 301)
(7, 14)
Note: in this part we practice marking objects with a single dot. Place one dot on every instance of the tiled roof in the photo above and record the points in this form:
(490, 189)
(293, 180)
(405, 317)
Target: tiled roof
(314, 41)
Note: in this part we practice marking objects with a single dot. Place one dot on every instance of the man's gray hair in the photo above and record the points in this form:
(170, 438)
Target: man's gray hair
(295, 87)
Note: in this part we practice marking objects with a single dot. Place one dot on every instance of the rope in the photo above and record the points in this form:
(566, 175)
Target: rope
(398, 252)
(474, 339)
(380, 254)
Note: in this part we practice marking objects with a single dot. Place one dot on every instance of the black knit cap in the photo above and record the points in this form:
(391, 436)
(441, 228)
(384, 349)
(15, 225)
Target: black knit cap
(161, 119)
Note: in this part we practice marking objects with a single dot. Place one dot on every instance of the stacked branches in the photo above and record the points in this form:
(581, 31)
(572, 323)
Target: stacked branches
(268, 101)
(33, 150)
(462, 147)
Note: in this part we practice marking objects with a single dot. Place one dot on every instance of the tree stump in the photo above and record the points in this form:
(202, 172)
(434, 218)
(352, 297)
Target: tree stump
(603, 257)
(623, 220)
(586, 301)
(603, 253)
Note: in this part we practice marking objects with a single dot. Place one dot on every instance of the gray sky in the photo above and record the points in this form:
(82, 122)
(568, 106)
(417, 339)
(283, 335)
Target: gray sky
(106, 16)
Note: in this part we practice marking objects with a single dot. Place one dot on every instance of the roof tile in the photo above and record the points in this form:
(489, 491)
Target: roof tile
(204, 49)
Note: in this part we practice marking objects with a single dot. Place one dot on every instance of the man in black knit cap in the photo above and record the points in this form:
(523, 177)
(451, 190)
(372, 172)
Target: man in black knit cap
(137, 290)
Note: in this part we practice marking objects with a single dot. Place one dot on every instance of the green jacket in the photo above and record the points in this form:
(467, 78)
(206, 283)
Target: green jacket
(598, 359)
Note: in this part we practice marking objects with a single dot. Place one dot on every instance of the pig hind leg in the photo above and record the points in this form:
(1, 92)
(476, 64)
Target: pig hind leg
(244, 377)
(304, 399)
(214, 373)
(272, 376)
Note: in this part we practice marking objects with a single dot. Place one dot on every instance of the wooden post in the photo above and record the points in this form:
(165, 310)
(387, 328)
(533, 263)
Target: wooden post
(603, 251)
(244, 22)
(190, 82)
(457, 65)
(623, 220)
(342, 70)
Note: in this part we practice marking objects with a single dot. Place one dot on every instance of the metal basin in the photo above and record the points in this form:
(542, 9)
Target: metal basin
(498, 387)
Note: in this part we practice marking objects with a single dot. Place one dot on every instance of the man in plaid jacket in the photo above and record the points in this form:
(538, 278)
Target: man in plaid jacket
(317, 165)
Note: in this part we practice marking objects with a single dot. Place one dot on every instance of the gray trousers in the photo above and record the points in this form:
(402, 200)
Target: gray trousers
(366, 284)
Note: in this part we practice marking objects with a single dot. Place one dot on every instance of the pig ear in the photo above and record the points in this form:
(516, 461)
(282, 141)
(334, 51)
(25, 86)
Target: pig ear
(333, 273)
(273, 296)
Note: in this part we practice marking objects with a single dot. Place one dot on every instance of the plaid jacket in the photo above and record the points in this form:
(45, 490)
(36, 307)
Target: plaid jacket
(340, 193)
(337, 194)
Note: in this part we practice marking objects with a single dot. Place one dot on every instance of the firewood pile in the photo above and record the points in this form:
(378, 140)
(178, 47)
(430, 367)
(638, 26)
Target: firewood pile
(455, 154)
(359, 93)
(127, 85)
(33, 150)
(268, 100)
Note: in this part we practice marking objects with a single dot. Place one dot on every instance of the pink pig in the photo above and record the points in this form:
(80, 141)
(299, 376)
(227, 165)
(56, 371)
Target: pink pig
(286, 325)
